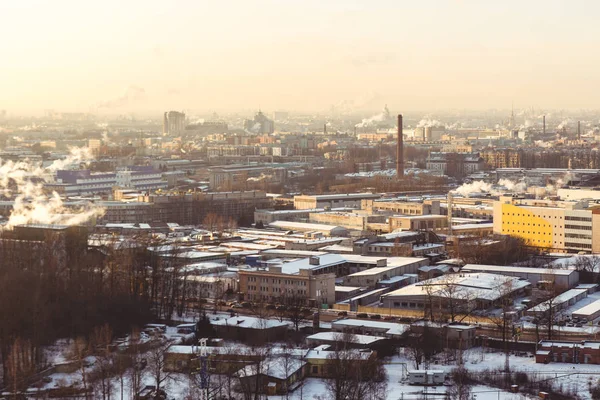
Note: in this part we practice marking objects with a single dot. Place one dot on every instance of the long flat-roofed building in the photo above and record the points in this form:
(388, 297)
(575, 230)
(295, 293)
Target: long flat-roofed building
(352, 200)
(481, 290)
(561, 278)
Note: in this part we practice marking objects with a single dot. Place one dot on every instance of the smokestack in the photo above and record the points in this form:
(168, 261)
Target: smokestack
(578, 130)
(450, 205)
(400, 150)
(544, 124)
(325, 129)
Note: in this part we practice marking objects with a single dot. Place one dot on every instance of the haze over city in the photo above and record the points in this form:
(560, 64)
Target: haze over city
(144, 56)
(299, 200)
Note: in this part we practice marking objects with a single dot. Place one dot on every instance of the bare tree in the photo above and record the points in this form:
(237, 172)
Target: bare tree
(137, 363)
(505, 289)
(104, 369)
(250, 377)
(588, 267)
(354, 375)
(156, 363)
(461, 390)
(457, 302)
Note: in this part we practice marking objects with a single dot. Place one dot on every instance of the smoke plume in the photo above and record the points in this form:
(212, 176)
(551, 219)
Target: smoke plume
(429, 123)
(32, 204)
(481, 187)
(375, 119)
(132, 93)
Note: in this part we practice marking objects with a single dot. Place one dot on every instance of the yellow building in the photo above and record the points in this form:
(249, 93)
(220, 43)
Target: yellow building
(553, 225)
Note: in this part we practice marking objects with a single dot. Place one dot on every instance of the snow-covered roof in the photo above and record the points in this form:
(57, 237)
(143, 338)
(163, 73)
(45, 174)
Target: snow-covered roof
(338, 337)
(589, 310)
(558, 300)
(481, 286)
(391, 328)
(519, 270)
(305, 226)
(279, 368)
(345, 289)
(248, 322)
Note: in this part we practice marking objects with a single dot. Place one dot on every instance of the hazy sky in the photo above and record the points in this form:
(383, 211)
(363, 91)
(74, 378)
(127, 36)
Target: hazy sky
(126, 55)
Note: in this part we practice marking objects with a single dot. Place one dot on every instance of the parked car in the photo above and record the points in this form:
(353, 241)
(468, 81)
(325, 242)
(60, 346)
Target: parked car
(236, 305)
(345, 313)
(375, 316)
(389, 318)
(362, 315)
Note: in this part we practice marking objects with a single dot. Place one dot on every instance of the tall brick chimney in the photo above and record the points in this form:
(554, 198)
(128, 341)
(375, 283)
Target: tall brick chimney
(400, 150)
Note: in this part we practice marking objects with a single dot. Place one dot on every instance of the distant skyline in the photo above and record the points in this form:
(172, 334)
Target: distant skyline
(134, 56)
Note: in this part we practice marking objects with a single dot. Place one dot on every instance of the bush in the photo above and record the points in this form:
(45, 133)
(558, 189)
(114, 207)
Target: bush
(595, 392)
(521, 378)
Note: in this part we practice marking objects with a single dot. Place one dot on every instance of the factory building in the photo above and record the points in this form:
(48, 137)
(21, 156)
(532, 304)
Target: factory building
(472, 290)
(278, 285)
(259, 124)
(455, 164)
(402, 206)
(561, 278)
(350, 200)
(554, 225)
(173, 123)
(84, 182)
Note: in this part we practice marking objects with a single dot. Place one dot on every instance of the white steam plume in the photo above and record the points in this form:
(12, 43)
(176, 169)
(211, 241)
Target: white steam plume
(429, 123)
(132, 93)
(481, 187)
(475, 187)
(565, 124)
(32, 204)
(372, 121)
(260, 178)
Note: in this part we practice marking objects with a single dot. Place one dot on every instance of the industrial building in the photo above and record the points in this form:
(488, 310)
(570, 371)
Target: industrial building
(185, 209)
(350, 200)
(317, 229)
(277, 284)
(84, 182)
(580, 352)
(349, 220)
(455, 164)
(259, 124)
(229, 176)
(478, 290)
(402, 206)
(561, 278)
(418, 222)
(398, 266)
(173, 123)
(558, 226)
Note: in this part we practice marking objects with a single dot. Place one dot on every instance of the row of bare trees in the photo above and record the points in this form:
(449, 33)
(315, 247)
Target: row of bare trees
(51, 290)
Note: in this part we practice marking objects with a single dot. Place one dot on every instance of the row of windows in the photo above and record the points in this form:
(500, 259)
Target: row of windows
(277, 281)
(527, 232)
(578, 236)
(578, 245)
(584, 219)
(579, 227)
(547, 217)
(275, 290)
(409, 305)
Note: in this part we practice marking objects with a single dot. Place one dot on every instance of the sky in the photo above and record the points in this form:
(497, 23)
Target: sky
(117, 56)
